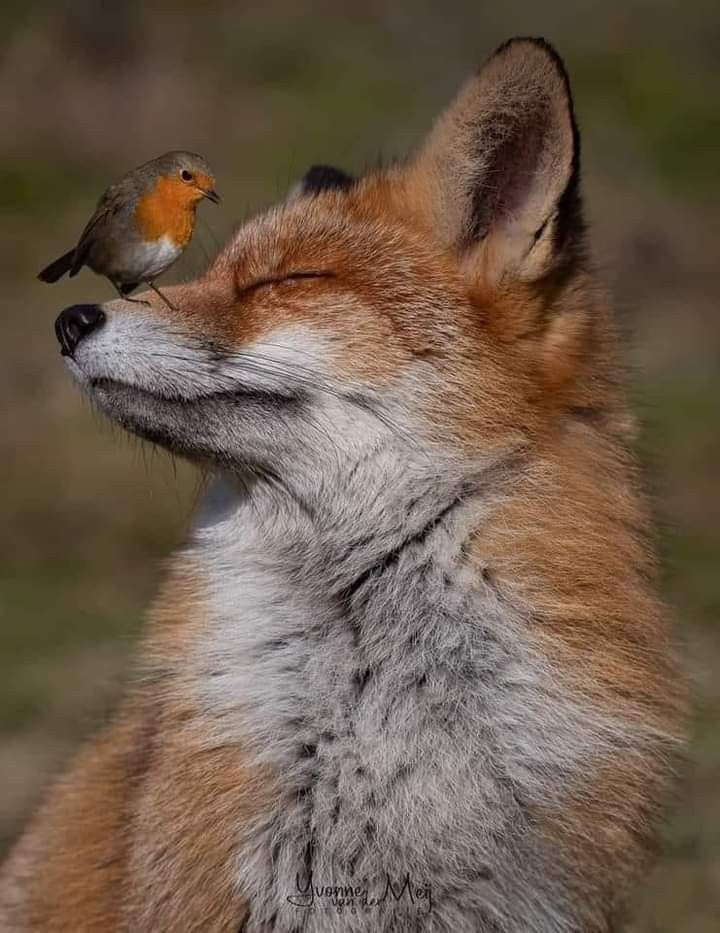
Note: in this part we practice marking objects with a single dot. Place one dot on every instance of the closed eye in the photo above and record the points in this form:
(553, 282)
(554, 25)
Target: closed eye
(280, 279)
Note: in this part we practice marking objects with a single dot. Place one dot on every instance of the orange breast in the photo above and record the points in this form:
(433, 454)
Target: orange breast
(167, 210)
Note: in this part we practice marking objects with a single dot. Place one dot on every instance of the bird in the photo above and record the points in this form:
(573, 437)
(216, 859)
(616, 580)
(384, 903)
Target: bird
(142, 223)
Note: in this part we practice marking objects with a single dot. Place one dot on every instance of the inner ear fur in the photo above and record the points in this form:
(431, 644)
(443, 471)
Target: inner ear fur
(499, 173)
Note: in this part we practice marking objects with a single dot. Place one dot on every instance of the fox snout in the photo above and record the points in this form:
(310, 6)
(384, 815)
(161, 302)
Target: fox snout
(274, 404)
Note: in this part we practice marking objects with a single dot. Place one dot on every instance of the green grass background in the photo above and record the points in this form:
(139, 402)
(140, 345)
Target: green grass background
(263, 90)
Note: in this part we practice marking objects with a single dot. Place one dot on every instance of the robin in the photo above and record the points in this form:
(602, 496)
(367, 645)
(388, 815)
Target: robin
(141, 224)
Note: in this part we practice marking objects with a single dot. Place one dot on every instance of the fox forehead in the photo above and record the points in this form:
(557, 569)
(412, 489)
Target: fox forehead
(367, 228)
(348, 263)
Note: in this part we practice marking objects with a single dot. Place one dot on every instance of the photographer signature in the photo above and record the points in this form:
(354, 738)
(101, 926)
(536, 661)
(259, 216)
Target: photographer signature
(354, 897)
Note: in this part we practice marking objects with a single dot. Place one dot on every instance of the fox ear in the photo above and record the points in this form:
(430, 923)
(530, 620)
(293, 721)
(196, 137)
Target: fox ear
(322, 178)
(500, 169)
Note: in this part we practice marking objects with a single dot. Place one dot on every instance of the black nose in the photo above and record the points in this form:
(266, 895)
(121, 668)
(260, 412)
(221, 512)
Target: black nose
(77, 322)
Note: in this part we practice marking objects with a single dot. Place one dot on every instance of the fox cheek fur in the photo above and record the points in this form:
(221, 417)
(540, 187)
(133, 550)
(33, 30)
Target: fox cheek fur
(414, 634)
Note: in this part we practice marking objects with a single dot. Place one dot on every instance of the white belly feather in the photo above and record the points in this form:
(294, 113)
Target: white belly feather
(135, 260)
(155, 257)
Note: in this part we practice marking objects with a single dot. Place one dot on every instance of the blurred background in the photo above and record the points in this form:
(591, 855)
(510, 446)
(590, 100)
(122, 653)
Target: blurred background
(263, 90)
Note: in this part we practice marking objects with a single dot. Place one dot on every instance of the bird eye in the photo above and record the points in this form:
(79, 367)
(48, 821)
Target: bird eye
(185, 175)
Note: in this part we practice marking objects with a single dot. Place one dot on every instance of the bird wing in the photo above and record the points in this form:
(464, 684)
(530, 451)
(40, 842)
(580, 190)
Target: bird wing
(107, 207)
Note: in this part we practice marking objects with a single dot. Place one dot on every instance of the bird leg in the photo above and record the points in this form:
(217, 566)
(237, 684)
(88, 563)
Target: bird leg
(125, 297)
(157, 291)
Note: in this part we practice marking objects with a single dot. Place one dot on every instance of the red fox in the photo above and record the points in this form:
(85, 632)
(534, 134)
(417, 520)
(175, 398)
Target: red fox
(410, 671)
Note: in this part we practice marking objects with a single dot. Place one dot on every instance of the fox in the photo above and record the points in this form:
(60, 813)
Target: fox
(411, 669)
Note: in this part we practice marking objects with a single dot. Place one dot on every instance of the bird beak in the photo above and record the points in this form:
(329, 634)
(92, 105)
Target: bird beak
(212, 195)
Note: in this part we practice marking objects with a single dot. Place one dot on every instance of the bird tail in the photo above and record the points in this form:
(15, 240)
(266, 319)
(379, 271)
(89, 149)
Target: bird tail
(56, 270)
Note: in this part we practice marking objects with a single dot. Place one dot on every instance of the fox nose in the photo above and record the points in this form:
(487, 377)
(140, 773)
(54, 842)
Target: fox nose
(75, 323)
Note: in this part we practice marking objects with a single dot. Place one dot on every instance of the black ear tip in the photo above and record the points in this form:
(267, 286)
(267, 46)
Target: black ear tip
(536, 44)
(325, 177)
(539, 44)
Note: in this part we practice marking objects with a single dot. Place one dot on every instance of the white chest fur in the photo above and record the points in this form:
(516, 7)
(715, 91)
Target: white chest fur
(407, 718)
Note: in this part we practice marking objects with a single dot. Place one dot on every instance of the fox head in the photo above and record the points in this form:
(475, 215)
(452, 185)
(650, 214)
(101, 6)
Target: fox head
(435, 312)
